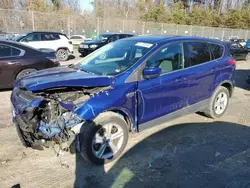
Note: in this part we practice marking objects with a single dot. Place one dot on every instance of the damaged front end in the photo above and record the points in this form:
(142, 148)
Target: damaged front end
(48, 116)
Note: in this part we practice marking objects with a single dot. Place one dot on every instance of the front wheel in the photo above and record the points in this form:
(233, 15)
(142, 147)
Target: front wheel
(24, 72)
(104, 139)
(218, 103)
(62, 55)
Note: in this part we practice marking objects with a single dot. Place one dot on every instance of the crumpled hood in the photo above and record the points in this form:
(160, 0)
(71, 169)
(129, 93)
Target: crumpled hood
(63, 76)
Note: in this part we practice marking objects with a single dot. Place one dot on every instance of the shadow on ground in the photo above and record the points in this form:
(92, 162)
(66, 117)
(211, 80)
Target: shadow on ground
(187, 155)
(240, 78)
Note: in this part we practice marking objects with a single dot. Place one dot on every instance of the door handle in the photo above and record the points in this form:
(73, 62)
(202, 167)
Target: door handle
(181, 79)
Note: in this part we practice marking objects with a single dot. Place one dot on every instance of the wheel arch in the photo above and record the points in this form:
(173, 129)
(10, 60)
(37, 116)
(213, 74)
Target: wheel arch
(228, 84)
(62, 48)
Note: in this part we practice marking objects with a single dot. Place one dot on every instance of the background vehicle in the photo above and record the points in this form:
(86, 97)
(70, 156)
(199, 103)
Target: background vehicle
(77, 39)
(248, 44)
(102, 98)
(88, 47)
(238, 52)
(56, 41)
(17, 60)
(242, 42)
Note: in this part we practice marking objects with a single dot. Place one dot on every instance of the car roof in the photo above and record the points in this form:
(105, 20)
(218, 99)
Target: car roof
(17, 45)
(47, 32)
(164, 39)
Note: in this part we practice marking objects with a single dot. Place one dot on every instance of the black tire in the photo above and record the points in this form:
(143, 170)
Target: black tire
(62, 55)
(88, 131)
(210, 111)
(23, 72)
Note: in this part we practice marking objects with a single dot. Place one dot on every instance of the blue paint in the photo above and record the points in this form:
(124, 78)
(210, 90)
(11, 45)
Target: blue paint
(156, 97)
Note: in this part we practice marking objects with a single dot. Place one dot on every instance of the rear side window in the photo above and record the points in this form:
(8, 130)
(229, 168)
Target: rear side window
(196, 53)
(47, 37)
(7, 51)
(216, 50)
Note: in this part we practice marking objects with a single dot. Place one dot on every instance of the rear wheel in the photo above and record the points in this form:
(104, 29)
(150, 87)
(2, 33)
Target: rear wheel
(247, 57)
(219, 103)
(104, 139)
(24, 72)
(62, 54)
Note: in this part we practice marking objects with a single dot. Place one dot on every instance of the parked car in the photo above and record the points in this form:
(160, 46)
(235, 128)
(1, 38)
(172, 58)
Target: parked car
(17, 60)
(248, 80)
(99, 100)
(248, 44)
(77, 39)
(53, 40)
(242, 42)
(88, 47)
(238, 52)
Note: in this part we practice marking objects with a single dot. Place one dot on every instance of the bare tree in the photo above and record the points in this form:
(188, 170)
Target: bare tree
(6, 4)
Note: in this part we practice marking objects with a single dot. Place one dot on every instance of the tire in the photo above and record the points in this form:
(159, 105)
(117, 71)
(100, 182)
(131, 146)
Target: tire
(62, 55)
(217, 112)
(247, 57)
(90, 147)
(23, 72)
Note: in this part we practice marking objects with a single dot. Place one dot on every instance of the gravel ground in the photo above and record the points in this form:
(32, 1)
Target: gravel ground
(192, 151)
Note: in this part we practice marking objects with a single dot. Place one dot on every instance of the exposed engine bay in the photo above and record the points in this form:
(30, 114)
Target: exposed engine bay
(48, 116)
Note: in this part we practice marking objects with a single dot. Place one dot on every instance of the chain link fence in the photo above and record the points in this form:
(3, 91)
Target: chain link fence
(20, 21)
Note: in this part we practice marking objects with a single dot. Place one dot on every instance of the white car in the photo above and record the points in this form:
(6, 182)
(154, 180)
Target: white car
(50, 40)
(77, 39)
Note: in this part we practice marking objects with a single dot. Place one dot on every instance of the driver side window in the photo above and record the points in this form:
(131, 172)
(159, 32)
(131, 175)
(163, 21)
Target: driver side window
(169, 58)
(32, 38)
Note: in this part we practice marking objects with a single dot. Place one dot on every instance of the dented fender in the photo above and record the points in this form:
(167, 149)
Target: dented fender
(120, 99)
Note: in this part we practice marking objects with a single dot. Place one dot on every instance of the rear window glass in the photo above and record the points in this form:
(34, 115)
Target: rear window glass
(217, 50)
(196, 53)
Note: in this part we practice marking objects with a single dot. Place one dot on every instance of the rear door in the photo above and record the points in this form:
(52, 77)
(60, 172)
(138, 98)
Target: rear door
(9, 63)
(202, 68)
(47, 41)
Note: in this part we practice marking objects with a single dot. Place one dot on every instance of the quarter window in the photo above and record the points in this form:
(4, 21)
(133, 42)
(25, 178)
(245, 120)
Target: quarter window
(196, 53)
(168, 58)
(217, 50)
(7, 51)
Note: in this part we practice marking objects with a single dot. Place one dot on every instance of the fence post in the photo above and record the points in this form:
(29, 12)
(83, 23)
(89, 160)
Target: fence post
(33, 20)
(202, 32)
(213, 32)
(191, 30)
(143, 28)
(68, 25)
(176, 31)
(246, 35)
(223, 34)
(161, 28)
(123, 25)
(98, 26)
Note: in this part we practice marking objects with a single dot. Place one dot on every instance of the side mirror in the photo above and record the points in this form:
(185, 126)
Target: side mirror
(150, 73)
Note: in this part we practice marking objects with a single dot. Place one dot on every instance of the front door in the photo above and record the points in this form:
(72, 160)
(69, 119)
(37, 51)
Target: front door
(168, 92)
(33, 40)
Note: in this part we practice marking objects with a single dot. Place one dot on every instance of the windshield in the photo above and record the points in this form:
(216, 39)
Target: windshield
(114, 58)
(103, 37)
(17, 38)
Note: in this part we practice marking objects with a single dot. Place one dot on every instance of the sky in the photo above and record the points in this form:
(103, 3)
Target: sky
(85, 5)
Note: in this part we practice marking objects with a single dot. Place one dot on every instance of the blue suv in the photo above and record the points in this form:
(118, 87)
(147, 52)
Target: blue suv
(123, 87)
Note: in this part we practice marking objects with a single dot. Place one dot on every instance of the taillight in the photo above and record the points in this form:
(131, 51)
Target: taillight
(232, 62)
